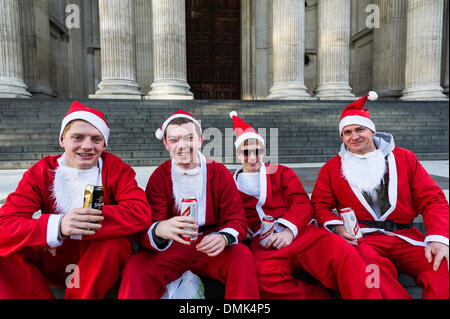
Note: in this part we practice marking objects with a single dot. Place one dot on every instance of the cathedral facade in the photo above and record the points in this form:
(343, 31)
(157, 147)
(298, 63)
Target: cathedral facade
(224, 49)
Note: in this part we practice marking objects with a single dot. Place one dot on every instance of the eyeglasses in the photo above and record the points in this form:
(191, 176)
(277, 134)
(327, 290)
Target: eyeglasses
(247, 153)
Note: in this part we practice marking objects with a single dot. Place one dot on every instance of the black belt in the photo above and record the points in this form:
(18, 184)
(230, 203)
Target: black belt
(204, 228)
(387, 225)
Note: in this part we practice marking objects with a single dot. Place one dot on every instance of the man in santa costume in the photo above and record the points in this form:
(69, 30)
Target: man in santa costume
(45, 234)
(217, 252)
(387, 188)
(297, 243)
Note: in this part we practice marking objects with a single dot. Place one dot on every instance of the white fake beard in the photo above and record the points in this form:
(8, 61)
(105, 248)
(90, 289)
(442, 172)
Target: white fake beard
(69, 185)
(186, 183)
(364, 171)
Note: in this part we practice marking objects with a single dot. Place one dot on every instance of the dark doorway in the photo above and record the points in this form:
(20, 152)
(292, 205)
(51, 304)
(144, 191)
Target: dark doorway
(213, 34)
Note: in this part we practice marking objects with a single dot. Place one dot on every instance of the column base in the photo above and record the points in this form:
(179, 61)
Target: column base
(289, 91)
(13, 88)
(169, 90)
(117, 89)
(423, 93)
(334, 91)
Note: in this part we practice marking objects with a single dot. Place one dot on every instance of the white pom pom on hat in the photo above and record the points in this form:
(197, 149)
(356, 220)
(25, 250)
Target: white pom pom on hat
(372, 96)
(233, 113)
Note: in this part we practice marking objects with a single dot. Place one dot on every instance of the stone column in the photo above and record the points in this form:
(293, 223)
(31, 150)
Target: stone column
(169, 51)
(288, 40)
(118, 51)
(445, 58)
(423, 50)
(333, 51)
(11, 70)
(389, 49)
(35, 30)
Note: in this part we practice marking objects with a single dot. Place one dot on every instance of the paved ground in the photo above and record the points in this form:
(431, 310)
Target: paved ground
(439, 171)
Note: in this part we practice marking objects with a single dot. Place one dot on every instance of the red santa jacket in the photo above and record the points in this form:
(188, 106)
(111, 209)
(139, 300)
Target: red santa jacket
(223, 209)
(411, 192)
(125, 209)
(282, 196)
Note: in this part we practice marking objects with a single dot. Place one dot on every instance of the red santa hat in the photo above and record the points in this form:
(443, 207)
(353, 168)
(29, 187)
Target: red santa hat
(80, 112)
(180, 113)
(243, 131)
(356, 114)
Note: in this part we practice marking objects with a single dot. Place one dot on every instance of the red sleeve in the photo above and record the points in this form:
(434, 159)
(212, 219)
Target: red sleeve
(158, 196)
(300, 210)
(323, 198)
(17, 227)
(130, 212)
(231, 211)
(428, 198)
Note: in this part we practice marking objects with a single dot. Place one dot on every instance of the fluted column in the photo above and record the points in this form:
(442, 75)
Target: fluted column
(169, 51)
(423, 50)
(389, 49)
(35, 29)
(118, 50)
(11, 70)
(333, 52)
(288, 40)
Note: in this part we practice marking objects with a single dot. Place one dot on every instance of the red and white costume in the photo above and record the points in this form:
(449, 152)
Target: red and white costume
(275, 190)
(411, 191)
(148, 272)
(28, 240)
(331, 260)
(27, 269)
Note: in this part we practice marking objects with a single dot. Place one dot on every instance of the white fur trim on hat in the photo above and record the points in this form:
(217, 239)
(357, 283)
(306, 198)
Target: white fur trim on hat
(356, 119)
(88, 117)
(373, 96)
(160, 132)
(246, 136)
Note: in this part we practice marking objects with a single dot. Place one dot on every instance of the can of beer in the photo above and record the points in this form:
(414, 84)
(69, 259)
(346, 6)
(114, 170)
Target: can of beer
(267, 224)
(93, 198)
(189, 208)
(351, 223)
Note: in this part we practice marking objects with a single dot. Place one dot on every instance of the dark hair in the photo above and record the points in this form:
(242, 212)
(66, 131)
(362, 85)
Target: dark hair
(182, 120)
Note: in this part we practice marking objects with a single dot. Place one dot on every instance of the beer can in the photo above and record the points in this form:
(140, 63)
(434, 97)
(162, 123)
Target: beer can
(189, 208)
(267, 224)
(351, 223)
(93, 198)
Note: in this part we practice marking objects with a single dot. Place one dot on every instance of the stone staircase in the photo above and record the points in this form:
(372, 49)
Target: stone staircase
(295, 131)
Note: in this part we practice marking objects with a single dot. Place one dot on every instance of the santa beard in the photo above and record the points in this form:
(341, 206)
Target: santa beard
(69, 186)
(364, 171)
(186, 183)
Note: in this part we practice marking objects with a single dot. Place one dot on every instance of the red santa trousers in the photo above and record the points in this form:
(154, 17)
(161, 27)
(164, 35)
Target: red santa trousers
(28, 274)
(147, 273)
(391, 254)
(324, 255)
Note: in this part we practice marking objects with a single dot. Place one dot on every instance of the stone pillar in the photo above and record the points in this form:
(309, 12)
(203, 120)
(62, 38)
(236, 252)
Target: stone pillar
(35, 30)
(389, 49)
(169, 51)
(423, 50)
(445, 58)
(333, 51)
(118, 51)
(11, 70)
(288, 40)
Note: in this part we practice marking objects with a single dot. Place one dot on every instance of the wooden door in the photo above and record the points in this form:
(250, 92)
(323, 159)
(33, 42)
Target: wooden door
(213, 48)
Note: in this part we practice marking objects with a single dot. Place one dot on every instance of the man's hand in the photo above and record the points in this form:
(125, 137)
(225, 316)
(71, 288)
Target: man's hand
(249, 234)
(281, 239)
(212, 244)
(81, 221)
(176, 227)
(440, 251)
(340, 230)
